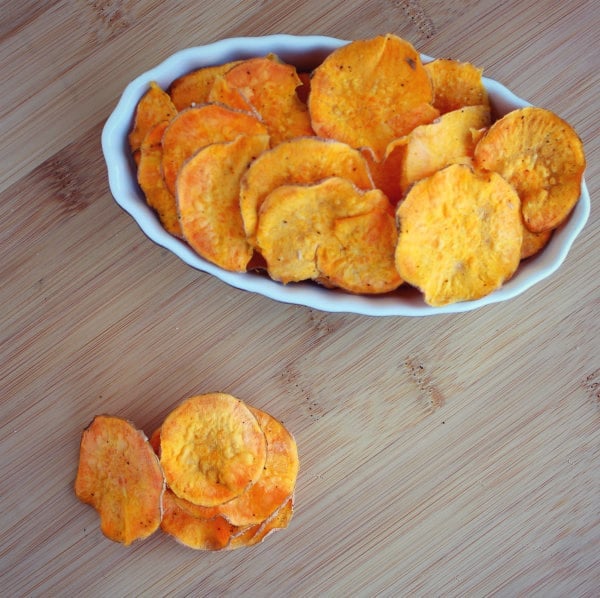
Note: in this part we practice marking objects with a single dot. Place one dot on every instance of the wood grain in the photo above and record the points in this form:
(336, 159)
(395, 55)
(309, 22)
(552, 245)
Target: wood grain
(442, 456)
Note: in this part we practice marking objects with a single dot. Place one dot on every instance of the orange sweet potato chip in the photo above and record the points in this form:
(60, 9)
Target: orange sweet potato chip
(295, 220)
(542, 157)
(120, 476)
(460, 234)
(194, 88)
(194, 128)
(152, 182)
(533, 243)
(269, 87)
(154, 107)
(303, 160)
(212, 449)
(369, 92)
(208, 190)
(456, 84)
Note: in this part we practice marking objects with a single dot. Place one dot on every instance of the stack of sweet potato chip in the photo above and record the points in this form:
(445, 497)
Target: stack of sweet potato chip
(218, 474)
(306, 175)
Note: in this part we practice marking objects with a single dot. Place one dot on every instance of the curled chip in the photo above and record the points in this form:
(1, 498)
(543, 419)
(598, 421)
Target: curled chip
(269, 87)
(194, 88)
(460, 234)
(533, 243)
(154, 107)
(152, 182)
(448, 140)
(208, 190)
(295, 220)
(369, 92)
(194, 128)
(456, 84)
(212, 449)
(542, 157)
(304, 160)
(120, 476)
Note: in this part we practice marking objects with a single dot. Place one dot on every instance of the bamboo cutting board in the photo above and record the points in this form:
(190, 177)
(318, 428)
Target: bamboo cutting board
(441, 456)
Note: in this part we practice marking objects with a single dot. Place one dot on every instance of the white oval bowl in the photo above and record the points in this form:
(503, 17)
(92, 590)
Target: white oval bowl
(305, 52)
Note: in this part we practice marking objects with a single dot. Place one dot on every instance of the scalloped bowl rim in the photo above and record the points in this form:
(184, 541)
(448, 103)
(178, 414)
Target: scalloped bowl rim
(303, 51)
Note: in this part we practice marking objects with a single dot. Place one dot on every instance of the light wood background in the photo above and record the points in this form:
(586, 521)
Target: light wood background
(445, 456)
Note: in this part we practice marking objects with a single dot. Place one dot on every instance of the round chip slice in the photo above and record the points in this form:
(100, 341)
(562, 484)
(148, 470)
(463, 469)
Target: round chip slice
(542, 156)
(212, 449)
(460, 234)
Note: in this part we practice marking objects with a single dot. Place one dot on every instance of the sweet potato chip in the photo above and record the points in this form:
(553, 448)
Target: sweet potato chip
(192, 530)
(542, 157)
(277, 481)
(369, 92)
(194, 128)
(295, 220)
(359, 254)
(456, 84)
(533, 243)
(460, 234)
(448, 140)
(212, 449)
(120, 476)
(154, 107)
(208, 191)
(304, 160)
(269, 86)
(152, 182)
(194, 88)
(222, 92)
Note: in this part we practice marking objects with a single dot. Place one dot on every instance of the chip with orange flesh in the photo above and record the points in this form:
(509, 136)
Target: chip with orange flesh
(369, 92)
(533, 243)
(542, 156)
(193, 88)
(152, 183)
(212, 449)
(208, 190)
(269, 86)
(194, 128)
(154, 107)
(222, 92)
(460, 234)
(191, 529)
(358, 256)
(456, 84)
(120, 476)
(448, 140)
(295, 220)
(304, 160)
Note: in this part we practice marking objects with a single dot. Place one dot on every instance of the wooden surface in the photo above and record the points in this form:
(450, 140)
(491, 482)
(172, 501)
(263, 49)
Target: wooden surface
(445, 456)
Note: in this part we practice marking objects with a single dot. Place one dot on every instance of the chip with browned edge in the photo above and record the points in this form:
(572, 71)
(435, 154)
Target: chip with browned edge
(212, 449)
(542, 156)
(208, 191)
(460, 234)
(120, 476)
(369, 92)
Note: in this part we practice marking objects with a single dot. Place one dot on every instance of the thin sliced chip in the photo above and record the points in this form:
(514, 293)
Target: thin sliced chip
(193, 88)
(533, 243)
(154, 107)
(542, 156)
(277, 481)
(222, 92)
(120, 476)
(460, 235)
(193, 531)
(269, 86)
(448, 140)
(359, 254)
(212, 449)
(195, 128)
(304, 160)
(152, 182)
(294, 220)
(456, 84)
(369, 92)
(208, 191)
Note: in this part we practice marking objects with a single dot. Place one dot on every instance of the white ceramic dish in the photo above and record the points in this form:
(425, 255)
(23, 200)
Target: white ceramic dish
(305, 52)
